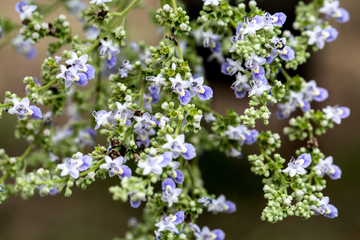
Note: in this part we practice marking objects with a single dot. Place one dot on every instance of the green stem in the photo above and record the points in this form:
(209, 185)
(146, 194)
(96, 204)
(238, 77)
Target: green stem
(233, 23)
(174, 5)
(264, 153)
(120, 15)
(142, 93)
(206, 109)
(129, 130)
(286, 75)
(284, 183)
(4, 177)
(178, 127)
(179, 51)
(27, 151)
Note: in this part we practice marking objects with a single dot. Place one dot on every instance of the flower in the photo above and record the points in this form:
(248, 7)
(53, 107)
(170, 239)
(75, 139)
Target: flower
(206, 234)
(124, 70)
(155, 164)
(241, 85)
(221, 205)
(177, 147)
(209, 117)
(73, 167)
(85, 138)
(179, 86)
(177, 174)
(211, 40)
(156, 83)
(123, 113)
(205, 201)
(259, 86)
(80, 64)
(286, 53)
(99, 2)
(91, 33)
(108, 50)
(101, 117)
(253, 62)
(24, 47)
(1, 188)
(137, 203)
(169, 191)
(241, 134)
(116, 167)
(163, 121)
(326, 167)
(230, 67)
(325, 209)
(336, 113)
(320, 36)
(298, 165)
(196, 87)
(24, 9)
(144, 123)
(278, 19)
(331, 9)
(149, 99)
(311, 91)
(211, 2)
(251, 26)
(71, 75)
(22, 109)
(169, 222)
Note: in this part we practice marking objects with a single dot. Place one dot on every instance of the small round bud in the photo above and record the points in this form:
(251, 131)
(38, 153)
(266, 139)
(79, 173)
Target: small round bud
(313, 198)
(287, 201)
(29, 126)
(45, 26)
(35, 35)
(66, 24)
(47, 132)
(265, 115)
(165, 105)
(12, 160)
(252, 3)
(152, 151)
(37, 27)
(62, 17)
(128, 98)
(30, 138)
(286, 33)
(78, 155)
(312, 19)
(299, 193)
(197, 118)
(183, 26)
(40, 172)
(276, 136)
(292, 121)
(167, 8)
(123, 88)
(148, 61)
(271, 141)
(182, 236)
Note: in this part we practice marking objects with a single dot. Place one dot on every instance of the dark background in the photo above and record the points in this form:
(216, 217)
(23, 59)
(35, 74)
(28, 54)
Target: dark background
(92, 214)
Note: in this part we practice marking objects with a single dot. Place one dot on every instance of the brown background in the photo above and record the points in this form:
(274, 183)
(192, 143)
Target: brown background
(92, 214)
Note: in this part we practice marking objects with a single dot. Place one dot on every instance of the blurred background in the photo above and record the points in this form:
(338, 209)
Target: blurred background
(92, 214)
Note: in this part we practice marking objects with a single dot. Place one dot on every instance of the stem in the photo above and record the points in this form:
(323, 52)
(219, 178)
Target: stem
(286, 75)
(27, 151)
(233, 23)
(4, 177)
(179, 51)
(206, 109)
(178, 127)
(92, 168)
(120, 15)
(142, 93)
(174, 5)
(98, 82)
(264, 153)
(129, 131)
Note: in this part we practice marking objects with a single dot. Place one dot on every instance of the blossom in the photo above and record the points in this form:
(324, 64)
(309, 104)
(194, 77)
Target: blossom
(211, 2)
(311, 91)
(211, 40)
(179, 86)
(101, 117)
(241, 85)
(206, 234)
(254, 63)
(137, 203)
(155, 164)
(1, 188)
(259, 86)
(298, 100)
(285, 109)
(298, 165)
(169, 222)
(320, 36)
(197, 87)
(85, 138)
(23, 109)
(331, 9)
(325, 208)
(326, 167)
(177, 174)
(24, 9)
(99, 2)
(149, 99)
(143, 136)
(251, 26)
(91, 33)
(163, 121)
(230, 67)
(242, 134)
(209, 117)
(123, 113)
(124, 70)
(286, 53)
(205, 201)
(156, 83)
(221, 205)
(233, 152)
(73, 167)
(24, 47)
(169, 191)
(177, 147)
(81, 65)
(108, 50)
(116, 167)
(336, 113)
(144, 123)
(278, 19)
(71, 75)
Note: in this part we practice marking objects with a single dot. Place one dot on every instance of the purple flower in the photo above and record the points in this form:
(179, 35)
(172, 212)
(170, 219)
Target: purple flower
(209, 117)
(156, 83)
(234, 39)
(320, 36)
(206, 234)
(149, 99)
(24, 9)
(286, 53)
(253, 62)
(179, 86)
(211, 40)
(285, 109)
(221, 205)
(230, 67)
(326, 167)
(123, 113)
(108, 50)
(23, 109)
(232, 152)
(137, 203)
(298, 165)
(53, 191)
(91, 33)
(177, 147)
(101, 117)
(155, 164)
(241, 85)
(80, 64)
(259, 86)
(297, 99)
(169, 222)
(241, 134)
(331, 9)
(86, 138)
(71, 75)
(73, 167)
(169, 192)
(24, 47)
(99, 2)
(336, 113)
(116, 167)
(177, 174)
(251, 26)
(197, 87)
(278, 19)
(325, 209)
(144, 123)
(143, 136)
(311, 91)
(205, 201)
